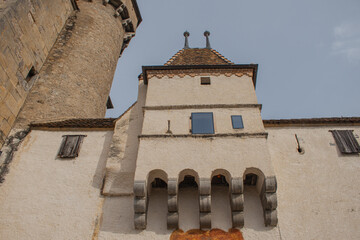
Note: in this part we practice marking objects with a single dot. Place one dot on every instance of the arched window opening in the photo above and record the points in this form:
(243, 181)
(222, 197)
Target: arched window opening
(219, 180)
(220, 203)
(250, 179)
(158, 183)
(188, 182)
(188, 203)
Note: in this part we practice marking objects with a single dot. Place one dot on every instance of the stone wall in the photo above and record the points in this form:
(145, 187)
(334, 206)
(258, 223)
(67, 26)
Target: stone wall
(59, 63)
(76, 79)
(28, 31)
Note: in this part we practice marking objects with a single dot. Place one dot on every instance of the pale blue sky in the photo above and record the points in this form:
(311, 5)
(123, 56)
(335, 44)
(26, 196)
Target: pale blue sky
(308, 51)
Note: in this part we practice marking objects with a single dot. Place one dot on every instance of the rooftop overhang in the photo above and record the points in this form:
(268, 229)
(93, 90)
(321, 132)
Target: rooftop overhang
(253, 67)
(137, 11)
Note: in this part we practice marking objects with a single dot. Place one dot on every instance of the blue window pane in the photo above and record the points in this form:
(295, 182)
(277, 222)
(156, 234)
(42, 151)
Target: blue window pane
(237, 122)
(202, 123)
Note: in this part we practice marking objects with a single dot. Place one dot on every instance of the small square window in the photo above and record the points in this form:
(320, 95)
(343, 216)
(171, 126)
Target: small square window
(346, 141)
(237, 122)
(70, 146)
(205, 80)
(202, 123)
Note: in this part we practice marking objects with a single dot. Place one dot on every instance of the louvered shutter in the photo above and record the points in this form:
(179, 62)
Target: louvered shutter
(346, 141)
(70, 146)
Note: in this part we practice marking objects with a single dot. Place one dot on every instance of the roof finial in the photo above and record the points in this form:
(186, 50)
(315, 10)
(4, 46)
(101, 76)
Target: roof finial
(186, 35)
(207, 34)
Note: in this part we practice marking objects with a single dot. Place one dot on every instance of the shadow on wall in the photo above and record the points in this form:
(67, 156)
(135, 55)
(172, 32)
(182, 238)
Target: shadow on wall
(253, 211)
(101, 166)
(220, 207)
(118, 215)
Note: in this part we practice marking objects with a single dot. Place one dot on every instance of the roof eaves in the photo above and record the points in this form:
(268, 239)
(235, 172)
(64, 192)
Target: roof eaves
(137, 11)
(334, 121)
(254, 67)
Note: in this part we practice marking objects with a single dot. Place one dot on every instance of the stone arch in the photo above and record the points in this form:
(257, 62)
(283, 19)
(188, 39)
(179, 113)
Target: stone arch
(266, 187)
(154, 174)
(260, 177)
(224, 173)
(221, 199)
(188, 172)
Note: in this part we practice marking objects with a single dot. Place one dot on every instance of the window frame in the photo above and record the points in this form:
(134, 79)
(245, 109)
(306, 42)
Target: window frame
(211, 122)
(205, 80)
(233, 122)
(76, 149)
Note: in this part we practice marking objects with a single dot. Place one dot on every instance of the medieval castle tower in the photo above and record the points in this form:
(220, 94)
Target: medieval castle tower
(58, 58)
(192, 158)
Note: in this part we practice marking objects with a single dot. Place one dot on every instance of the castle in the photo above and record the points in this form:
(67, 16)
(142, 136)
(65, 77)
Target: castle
(192, 153)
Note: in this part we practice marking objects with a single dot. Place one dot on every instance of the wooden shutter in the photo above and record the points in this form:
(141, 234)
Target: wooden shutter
(346, 141)
(70, 146)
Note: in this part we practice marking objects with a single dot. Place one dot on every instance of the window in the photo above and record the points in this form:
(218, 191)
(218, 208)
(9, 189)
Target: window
(31, 74)
(205, 80)
(202, 123)
(346, 141)
(70, 146)
(237, 122)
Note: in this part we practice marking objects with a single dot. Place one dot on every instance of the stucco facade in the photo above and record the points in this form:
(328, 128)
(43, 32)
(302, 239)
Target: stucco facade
(47, 197)
(149, 175)
(318, 191)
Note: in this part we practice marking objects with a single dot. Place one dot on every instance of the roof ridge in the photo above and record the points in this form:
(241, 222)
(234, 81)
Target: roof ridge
(221, 56)
(208, 56)
(174, 57)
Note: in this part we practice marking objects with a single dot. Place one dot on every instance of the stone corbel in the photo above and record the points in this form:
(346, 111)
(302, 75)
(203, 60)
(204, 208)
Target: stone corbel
(269, 201)
(173, 215)
(205, 203)
(128, 36)
(119, 10)
(140, 205)
(126, 22)
(237, 202)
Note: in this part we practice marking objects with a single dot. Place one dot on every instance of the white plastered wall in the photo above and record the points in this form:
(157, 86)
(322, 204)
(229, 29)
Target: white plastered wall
(156, 121)
(45, 197)
(203, 155)
(189, 91)
(318, 191)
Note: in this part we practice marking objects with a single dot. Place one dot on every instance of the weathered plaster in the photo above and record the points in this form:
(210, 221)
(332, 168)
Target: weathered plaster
(45, 197)
(318, 191)
(121, 162)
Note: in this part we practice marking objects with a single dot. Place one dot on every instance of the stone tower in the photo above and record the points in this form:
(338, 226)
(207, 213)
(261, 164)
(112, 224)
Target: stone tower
(59, 57)
(199, 127)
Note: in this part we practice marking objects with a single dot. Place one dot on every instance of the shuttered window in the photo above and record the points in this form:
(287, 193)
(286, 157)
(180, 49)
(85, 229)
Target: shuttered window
(346, 141)
(70, 146)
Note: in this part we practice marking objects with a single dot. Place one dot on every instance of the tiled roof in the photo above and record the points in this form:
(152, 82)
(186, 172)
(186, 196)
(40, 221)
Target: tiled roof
(77, 123)
(198, 56)
(312, 121)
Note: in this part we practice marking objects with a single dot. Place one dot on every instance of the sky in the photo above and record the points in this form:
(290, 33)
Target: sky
(308, 51)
